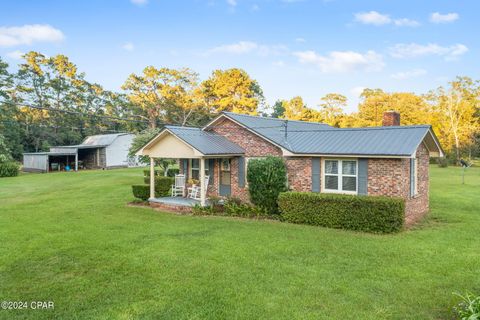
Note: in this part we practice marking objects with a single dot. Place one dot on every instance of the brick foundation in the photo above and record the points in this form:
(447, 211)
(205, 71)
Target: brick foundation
(171, 207)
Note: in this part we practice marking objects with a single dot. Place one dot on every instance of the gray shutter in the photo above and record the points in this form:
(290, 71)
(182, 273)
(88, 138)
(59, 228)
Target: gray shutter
(412, 177)
(316, 174)
(362, 176)
(185, 167)
(211, 170)
(241, 172)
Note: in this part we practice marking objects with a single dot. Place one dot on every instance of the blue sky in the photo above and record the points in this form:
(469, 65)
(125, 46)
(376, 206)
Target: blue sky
(292, 47)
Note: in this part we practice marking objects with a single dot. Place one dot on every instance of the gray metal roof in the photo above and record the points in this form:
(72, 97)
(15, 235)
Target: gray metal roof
(101, 139)
(206, 142)
(317, 138)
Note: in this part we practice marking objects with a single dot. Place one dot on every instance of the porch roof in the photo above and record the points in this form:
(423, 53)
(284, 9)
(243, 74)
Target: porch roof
(203, 143)
(208, 143)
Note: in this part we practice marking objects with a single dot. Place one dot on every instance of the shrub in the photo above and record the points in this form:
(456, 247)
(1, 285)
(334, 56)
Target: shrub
(361, 213)
(172, 172)
(469, 307)
(442, 162)
(157, 172)
(243, 210)
(141, 191)
(266, 179)
(198, 210)
(163, 185)
(9, 169)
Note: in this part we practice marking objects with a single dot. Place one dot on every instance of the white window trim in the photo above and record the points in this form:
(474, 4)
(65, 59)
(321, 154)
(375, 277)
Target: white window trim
(339, 175)
(415, 176)
(190, 167)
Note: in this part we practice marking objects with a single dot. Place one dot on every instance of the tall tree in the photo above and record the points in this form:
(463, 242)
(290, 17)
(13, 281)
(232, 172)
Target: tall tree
(456, 110)
(278, 109)
(232, 90)
(331, 108)
(10, 129)
(413, 108)
(163, 94)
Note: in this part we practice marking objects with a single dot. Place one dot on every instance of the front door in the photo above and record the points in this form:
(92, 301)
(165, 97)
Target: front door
(225, 178)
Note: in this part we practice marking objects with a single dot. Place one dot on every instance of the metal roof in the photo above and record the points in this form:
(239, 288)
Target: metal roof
(317, 138)
(101, 139)
(206, 142)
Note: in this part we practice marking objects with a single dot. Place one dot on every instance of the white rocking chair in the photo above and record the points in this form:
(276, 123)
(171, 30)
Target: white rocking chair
(194, 192)
(178, 189)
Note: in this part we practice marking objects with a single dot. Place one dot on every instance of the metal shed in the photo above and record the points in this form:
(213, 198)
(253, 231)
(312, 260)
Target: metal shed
(95, 152)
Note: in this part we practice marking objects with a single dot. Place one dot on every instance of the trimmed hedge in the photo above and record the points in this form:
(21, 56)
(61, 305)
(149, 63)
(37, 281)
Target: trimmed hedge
(163, 185)
(141, 191)
(9, 169)
(361, 213)
(266, 179)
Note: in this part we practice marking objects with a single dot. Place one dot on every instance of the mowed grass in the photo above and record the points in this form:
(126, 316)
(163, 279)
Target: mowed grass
(71, 239)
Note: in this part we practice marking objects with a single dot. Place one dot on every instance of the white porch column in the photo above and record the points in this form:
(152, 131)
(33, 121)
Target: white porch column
(76, 161)
(203, 191)
(152, 178)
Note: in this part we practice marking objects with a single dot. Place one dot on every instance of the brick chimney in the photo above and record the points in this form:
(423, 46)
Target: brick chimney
(391, 118)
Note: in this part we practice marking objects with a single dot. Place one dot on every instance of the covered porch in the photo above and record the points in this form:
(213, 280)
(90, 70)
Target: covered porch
(202, 157)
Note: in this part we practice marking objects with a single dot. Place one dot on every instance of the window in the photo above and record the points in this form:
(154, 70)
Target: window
(195, 168)
(340, 176)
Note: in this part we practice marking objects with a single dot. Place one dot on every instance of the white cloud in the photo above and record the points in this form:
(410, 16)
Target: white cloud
(139, 2)
(232, 3)
(247, 47)
(372, 17)
(379, 19)
(255, 7)
(357, 91)
(301, 40)
(437, 17)
(128, 46)
(16, 55)
(29, 34)
(412, 50)
(404, 22)
(409, 74)
(342, 61)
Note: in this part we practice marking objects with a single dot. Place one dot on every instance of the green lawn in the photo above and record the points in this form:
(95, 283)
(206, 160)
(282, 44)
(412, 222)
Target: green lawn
(71, 239)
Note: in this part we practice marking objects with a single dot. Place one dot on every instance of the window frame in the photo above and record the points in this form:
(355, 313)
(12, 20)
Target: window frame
(339, 176)
(191, 168)
(415, 177)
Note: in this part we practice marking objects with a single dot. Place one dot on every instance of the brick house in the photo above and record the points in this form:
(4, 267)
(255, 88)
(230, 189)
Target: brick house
(390, 160)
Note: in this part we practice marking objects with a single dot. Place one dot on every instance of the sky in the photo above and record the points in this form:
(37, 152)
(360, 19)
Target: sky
(291, 47)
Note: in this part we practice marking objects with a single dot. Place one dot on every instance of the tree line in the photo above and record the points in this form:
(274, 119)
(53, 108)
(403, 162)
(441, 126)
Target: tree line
(48, 102)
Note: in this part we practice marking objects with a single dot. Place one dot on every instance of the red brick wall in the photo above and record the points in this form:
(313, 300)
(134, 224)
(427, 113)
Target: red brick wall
(391, 177)
(299, 173)
(418, 206)
(388, 177)
(253, 145)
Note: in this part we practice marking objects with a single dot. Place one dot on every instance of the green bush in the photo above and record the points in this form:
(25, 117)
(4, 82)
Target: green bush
(469, 307)
(157, 172)
(442, 162)
(9, 169)
(163, 186)
(266, 179)
(173, 171)
(361, 213)
(141, 191)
